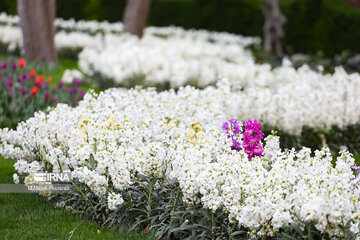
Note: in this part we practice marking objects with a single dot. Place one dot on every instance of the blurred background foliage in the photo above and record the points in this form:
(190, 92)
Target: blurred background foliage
(322, 27)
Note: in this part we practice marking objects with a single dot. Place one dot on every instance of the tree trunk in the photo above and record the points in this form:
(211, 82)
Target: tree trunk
(273, 27)
(135, 16)
(37, 25)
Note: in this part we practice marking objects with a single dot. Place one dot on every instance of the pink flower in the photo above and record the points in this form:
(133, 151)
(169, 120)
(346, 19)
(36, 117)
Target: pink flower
(252, 136)
(252, 139)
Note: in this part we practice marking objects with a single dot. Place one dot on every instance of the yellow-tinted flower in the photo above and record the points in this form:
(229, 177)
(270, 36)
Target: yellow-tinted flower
(197, 127)
(45, 193)
(171, 125)
(27, 180)
(111, 119)
(83, 122)
(191, 133)
(200, 134)
(193, 141)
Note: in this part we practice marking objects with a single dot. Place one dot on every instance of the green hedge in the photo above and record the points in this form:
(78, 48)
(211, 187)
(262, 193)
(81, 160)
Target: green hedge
(329, 26)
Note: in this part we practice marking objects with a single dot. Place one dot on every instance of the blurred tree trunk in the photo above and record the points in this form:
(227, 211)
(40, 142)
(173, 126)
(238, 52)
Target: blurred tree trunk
(135, 16)
(37, 25)
(273, 27)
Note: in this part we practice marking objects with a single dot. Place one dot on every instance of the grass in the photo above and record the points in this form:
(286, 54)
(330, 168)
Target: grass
(63, 65)
(30, 216)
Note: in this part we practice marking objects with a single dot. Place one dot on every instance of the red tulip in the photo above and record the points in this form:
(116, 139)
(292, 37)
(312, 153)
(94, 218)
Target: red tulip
(34, 90)
(32, 73)
(49, 79)
(39, 79)
(22, 62)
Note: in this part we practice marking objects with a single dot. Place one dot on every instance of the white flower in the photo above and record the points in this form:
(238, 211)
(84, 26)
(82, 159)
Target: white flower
(354, 228)
(16, 178)
(60, 204)
(69, 75)
(114, 200)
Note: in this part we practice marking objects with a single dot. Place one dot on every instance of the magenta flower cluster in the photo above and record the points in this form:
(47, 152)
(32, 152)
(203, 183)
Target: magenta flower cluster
(252, 136)
(252, 139)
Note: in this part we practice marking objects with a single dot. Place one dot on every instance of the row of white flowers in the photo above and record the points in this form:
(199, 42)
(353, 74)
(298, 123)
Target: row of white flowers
(310, 99)
(284, 97)
(11, 37)
(179, 134)
(177, 60)
(79, 34)
(71, 24)
(93, 27)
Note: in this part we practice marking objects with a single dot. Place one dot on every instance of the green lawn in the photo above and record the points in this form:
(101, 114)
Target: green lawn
(30, 216)
(63, 65)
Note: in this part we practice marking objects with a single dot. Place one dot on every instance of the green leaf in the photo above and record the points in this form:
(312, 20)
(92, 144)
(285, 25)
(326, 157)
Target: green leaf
(91, 162)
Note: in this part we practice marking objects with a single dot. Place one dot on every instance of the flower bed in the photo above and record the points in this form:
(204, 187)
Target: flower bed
(24, 91)
(125, 146)
(284, 98)
(178, 61)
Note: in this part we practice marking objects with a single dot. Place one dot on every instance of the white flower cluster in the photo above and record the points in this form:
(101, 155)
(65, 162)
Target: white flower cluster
(114, 200)
(76, 40)
(285, 97)
(70, 25)
(73, 34)
(9, 19)
(69, 75)
(91, 27)
(174, 59)
(290, 99)
(109, 138)
(204, 35)
(11, 36)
